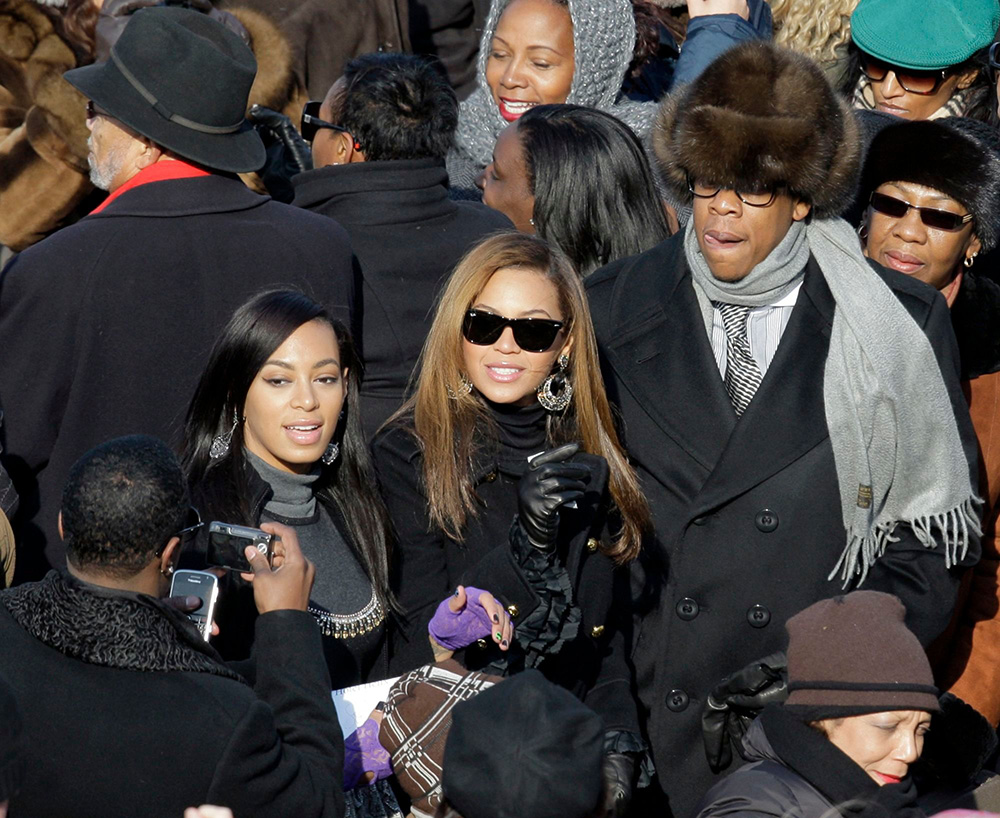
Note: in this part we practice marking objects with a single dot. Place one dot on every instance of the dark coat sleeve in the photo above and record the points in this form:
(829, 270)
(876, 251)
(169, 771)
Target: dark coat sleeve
(909, 570)
(709, 36)
(286, 755)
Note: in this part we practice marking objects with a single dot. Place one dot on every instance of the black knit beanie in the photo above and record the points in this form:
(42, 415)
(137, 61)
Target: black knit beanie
(853, 654)
(11, 764)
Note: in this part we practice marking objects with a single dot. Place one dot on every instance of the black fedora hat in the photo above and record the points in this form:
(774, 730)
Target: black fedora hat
(178, 77)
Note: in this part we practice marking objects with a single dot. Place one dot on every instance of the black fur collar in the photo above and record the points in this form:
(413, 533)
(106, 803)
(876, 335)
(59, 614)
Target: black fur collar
(110, 628)
(975, 316)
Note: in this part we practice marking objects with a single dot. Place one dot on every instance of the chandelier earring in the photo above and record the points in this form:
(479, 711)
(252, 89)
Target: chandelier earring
(331, 453)
(464, 387)
(220, 443)
(556, 391)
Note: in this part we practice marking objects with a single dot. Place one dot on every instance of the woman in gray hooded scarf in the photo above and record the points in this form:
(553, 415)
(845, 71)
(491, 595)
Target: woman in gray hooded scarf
(581, 54)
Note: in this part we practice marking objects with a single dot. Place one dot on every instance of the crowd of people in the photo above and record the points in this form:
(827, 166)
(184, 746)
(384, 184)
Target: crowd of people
(615, 382)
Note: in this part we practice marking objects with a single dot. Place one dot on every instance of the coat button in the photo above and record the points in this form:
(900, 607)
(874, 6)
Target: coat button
(592, 545)
(758, 616)
(597, 631)
(491, 477)
(687, 609)
(766, 521)
(481, 644)
(677, 700)
(513, 611)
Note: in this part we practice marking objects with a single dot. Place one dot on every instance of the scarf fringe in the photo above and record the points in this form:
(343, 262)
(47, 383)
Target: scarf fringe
(953, 528)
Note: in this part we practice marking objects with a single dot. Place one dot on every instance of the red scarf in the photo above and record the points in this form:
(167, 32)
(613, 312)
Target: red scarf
(158, 172)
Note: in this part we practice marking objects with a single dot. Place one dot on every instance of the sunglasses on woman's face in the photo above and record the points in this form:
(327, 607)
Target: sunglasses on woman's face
(311, 123)
(530, 334)
(938, 219)
(923, 83)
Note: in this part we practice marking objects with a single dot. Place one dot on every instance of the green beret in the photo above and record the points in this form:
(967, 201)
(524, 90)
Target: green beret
(924, 35)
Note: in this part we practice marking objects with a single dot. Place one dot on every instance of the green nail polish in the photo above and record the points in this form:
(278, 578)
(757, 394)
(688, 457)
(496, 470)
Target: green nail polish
(499, 635)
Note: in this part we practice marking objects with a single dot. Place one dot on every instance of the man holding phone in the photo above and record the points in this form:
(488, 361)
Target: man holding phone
(147, 719)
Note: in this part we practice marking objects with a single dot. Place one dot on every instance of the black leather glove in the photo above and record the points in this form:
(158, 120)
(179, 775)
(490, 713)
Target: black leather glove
(735, 702)
(619, 772)
(287, 152)
(550, 482)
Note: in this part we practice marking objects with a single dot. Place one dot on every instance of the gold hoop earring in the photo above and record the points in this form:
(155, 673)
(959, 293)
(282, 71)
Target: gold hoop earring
(970, 260)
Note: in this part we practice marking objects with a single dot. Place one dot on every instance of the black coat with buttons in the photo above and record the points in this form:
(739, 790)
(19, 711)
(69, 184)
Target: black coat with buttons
(747, 513)
(428, 566)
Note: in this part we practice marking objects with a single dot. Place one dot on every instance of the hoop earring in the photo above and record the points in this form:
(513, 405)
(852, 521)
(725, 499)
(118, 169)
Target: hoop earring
(464, 387)
(970, 260)
(863, 233)
(220, 443)
(556, 391)
(330, 454)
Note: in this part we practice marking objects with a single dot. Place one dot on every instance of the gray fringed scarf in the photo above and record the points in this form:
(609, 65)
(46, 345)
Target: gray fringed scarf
(603, 41)
(895, 440)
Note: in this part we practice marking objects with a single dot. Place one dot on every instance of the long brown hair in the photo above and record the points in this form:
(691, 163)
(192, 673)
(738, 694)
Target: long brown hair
(450, 423)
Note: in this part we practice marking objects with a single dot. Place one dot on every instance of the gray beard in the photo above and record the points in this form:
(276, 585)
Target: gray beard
(103, 173)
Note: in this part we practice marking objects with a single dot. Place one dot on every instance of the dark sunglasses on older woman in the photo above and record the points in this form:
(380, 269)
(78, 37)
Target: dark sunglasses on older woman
(311, 123)
(938, 219)
(923, 83)
(530, 334)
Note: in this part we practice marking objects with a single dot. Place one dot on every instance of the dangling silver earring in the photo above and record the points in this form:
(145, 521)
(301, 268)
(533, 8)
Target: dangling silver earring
(464, 387)
(556, 391)
(970, 260)
(220, 443)
(330, 454)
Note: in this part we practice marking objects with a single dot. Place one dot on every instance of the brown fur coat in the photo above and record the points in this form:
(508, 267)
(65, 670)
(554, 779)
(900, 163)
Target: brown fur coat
(44, 182)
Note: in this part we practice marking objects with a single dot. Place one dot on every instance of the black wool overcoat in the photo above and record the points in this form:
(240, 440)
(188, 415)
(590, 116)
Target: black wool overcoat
(407, 236)
(747, 513)
(106, 325)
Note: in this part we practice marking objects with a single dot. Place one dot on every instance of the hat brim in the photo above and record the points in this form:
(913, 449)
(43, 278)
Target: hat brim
(239, 152)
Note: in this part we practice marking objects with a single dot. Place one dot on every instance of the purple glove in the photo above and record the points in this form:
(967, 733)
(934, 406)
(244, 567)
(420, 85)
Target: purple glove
(364, 754)
(456, 629)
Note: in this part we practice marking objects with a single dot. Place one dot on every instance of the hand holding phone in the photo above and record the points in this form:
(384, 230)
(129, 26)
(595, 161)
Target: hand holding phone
(287, 582)
(203, 586)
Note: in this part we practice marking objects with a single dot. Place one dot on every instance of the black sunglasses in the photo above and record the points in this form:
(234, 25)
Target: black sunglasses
(938, 219)
(530, 334)
(754, 198)
(311, 122)
(923, 83)
(94, 110)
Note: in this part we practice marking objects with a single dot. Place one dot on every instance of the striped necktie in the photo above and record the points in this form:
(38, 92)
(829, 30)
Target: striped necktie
(743, 376)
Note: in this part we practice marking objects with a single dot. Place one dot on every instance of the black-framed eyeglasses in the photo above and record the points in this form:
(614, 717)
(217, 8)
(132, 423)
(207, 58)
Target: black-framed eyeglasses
(923, 83)
(930, 216)
(94, 110)
(530, 334)
(994, 61)
(311, 123)
(754, 198)
(194, 523)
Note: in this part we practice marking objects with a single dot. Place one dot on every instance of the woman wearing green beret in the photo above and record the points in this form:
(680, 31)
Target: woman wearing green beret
(922, 59)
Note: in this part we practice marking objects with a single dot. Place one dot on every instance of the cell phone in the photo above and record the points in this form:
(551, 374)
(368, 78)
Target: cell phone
(227, 544)
(203, 585)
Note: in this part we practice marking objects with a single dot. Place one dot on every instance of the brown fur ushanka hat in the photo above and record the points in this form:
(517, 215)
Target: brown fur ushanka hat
(759, 117)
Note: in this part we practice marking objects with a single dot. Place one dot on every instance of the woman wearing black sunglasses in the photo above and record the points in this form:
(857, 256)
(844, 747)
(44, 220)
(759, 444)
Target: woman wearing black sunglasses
(510, 372)
(935, 214)
(916, 60)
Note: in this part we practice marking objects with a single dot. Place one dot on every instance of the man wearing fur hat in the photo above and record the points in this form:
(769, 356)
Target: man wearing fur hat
(794, 412)
(105, 325)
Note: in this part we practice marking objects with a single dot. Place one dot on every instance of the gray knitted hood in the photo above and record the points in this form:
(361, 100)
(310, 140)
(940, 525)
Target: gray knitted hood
(603, 42)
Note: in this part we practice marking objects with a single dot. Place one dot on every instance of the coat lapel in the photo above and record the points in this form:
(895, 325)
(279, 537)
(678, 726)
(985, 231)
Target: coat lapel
(787, 416)
(663, 356)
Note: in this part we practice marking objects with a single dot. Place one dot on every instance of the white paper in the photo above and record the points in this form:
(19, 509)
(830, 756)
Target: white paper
(355, 704)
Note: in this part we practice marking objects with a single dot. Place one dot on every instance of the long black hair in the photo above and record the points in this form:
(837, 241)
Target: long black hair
(593, 185)
(250, 338)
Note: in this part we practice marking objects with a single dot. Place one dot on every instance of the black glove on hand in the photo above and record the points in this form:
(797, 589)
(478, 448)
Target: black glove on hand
(619, 771)
(550, 482)
(287, 152)
(735, 702)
